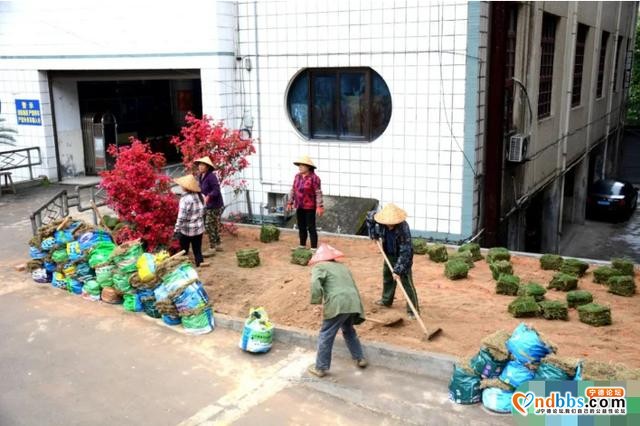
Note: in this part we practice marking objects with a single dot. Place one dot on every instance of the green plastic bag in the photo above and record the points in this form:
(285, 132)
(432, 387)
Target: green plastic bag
(548, 371)
(121, 283)
(485, 366)
(131, 302)
(101, 253)
(464, 388)
(60, 256)
(127, 262)
(92, 287)
(201, 323)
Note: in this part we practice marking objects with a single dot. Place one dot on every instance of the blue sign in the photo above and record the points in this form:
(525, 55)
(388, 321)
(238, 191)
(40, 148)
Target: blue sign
(28, 112)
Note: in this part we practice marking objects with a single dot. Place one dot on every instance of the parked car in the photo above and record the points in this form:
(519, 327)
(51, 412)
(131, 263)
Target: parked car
(612, 198)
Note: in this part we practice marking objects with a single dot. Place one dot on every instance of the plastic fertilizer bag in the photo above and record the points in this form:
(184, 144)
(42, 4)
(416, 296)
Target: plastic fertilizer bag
(100, 253)
(497, 400)
(36, 253)
(121, 283)
(47, 244)
(464, 388)
(257, 335)
(526, 346)
(192, 298)
(132, 302)
(58, 280)
(73, 250)
(515, 374)
(92, 287)
(180, 277)
(74, 286)
(146, 265)
(485, 366)
(547, 371)
(63, 237)
(40, 276)
(171, 320)
(201, 323)
(91, 238)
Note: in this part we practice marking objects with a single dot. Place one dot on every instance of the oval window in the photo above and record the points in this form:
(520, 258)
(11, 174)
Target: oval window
(351, 104)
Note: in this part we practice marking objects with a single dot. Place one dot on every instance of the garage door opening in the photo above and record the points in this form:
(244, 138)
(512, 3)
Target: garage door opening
(151, 110)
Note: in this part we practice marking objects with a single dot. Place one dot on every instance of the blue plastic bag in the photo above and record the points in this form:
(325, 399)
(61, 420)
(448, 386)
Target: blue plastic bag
(496, 399)
(515, 374)
(484, 365)
(194, 296)
(91, 238)
(464, 388)
(526, 346)
(548, 371)
(50, 266)
(171, 320)
(48, 243)
(63, 237)
(578, 376)
(36, 253)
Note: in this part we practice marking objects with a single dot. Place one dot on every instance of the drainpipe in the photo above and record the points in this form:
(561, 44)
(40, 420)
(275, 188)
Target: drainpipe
(569, 59)
(610, 95)
(591, 98)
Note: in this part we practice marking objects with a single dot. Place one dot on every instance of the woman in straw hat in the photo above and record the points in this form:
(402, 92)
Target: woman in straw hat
(213, 203)
(306, 197)
(389, 225)
(333, 285)
(190, 223)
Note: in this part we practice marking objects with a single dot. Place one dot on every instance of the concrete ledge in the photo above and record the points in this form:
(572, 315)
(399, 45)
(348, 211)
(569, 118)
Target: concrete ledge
(434, 365)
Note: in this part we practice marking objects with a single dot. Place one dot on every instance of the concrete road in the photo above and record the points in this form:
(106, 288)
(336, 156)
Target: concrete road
(67, 361)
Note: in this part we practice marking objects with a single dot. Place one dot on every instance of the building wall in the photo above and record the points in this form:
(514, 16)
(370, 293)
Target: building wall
(421, 50)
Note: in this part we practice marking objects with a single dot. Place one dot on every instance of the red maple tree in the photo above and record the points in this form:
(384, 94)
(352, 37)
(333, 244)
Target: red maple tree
(226, 148)
(140, 194)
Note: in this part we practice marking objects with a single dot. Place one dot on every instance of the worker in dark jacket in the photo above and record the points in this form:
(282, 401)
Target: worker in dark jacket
(334, 287)
(390, 226)
(213, 203)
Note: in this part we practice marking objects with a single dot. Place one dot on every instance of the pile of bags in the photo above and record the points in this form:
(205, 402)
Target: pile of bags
(78, 257)
(503, 363)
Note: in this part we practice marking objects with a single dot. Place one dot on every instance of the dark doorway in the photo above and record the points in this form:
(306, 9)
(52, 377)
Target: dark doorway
(533, 233)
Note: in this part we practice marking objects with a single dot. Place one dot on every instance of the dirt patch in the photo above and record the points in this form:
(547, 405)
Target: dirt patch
(467, 309)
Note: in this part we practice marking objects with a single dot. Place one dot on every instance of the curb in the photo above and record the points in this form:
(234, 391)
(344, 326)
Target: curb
(433, 365)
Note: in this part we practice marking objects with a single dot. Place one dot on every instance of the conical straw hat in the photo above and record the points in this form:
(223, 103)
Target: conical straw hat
(205, 160)
(188, 183)
(390, 215)
(306, 161)
(325, 252)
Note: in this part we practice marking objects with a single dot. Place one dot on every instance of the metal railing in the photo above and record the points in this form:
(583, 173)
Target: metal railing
(57, 207)
(20, 158)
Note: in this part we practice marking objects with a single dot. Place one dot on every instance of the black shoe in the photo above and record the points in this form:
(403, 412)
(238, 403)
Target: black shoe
(381, 303)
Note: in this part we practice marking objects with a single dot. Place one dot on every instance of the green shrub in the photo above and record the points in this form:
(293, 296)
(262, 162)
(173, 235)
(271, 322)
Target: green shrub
(602, 274)
(578, 297)
(551, 262)
(624, 266)
(524, 306)
(498, 253)
(474, 248)
(622, 285)
(437, 253)
(500, 267)
(532, 289)
(594, 314)
(419, 245)
(554, 310)
(456, 269)
(269, 233)
(465, 256)
(575, 267)
(508, 284)
(301, 256)
(563, 282)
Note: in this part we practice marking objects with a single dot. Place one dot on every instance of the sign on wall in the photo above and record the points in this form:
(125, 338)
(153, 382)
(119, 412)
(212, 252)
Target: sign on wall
(28, 112)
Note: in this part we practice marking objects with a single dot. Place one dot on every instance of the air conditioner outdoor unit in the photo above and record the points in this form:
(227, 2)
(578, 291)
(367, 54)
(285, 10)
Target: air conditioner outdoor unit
(518, 145)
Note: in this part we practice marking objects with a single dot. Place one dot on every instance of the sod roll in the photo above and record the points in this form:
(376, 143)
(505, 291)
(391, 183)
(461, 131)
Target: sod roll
(496, 344)
(437, 253)
(456, 269)
(301, 256)
(419, 245)
(602, 274)
(500, 267)
(498, 253)
(563, 282)
(248, 258)
(594, 314)
(623, 285)
(554, 310)
(532, 289)
(473, 248)
(624, 266)
(269, 233)
(524, 306)
(576, 298)
(508, 284)
(575, 267)
(551, 262)
(465, 256)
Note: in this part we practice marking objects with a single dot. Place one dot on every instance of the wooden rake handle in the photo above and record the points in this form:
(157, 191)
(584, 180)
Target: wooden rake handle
(404, 292)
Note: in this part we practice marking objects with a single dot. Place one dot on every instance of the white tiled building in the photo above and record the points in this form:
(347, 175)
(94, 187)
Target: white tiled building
(247, 57)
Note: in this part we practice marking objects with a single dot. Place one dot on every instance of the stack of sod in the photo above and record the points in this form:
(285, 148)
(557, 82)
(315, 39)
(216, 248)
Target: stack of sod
(437, 253)
(473, 248)
(508, 284)
(554, 309)
(456, 269)
(622, 285)
(500, 267)
(563, 282)
(624, 266)
(269, 233)
(566, 364)
(576, 298)
(551, 262)
(495, 383)
(464, 256)
(524, 306)
(532, 289)
(602, 274)
(574, 267)
(594, 314)
(301, 256)
(498, 253)
(496, 344)
(597, 370)
(419, 245)
(248, 258)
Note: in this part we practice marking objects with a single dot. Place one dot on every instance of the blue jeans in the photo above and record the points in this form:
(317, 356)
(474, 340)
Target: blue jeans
(327, 336)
